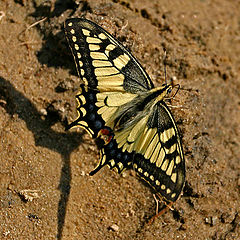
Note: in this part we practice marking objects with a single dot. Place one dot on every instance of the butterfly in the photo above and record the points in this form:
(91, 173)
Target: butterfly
(118, 103)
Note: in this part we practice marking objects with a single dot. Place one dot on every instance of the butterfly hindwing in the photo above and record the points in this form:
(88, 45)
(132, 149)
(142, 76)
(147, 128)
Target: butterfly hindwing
(159, 160)
(88, 118)
(114, 157)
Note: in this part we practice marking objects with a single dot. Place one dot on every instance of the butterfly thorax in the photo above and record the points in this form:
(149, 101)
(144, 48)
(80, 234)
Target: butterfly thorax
(143, 104)
(129, 114)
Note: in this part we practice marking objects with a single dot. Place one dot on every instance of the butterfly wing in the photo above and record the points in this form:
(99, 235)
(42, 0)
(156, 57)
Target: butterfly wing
(158, 156)
(111, 75)
(159, 159)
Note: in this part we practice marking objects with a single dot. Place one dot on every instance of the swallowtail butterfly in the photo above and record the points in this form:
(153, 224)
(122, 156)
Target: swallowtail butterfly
(118, 103)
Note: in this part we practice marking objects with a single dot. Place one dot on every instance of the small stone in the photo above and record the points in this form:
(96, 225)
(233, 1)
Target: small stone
(82, 173)
(65, 85)
(214, 220)
(211, 220)
(43, 112)
(183, 227)
(29, 195)
(227, 217)
(124, 174)
(10, 187)
(57, 109)
(208, 220)
(174, 78)
(114, 227)
(132, 212)
(5, 234)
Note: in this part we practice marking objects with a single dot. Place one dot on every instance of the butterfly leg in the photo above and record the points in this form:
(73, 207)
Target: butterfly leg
(161, 212)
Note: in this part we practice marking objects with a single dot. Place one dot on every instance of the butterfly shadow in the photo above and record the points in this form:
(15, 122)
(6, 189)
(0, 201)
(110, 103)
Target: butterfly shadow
(15, 103)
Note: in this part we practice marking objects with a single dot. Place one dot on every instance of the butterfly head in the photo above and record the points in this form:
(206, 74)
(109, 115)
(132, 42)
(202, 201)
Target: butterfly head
(168, 89)
(164, 91)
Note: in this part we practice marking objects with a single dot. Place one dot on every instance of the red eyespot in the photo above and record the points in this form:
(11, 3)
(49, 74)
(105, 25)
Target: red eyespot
(106, 135)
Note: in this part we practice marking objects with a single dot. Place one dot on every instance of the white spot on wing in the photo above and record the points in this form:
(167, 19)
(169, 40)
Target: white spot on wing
(146, 174)
(100, 63)
(163, 187)
(82, 98)
(160, 158)
(105, 71)
(165, 164)
(170, 168)
(151, 177)
(174, 177)
(109, 48)
(112, 162)
(173, 195)
(82, 72)
(178, 159)
(83, 111)
(120, 166)
(121, 61)
(80, 63)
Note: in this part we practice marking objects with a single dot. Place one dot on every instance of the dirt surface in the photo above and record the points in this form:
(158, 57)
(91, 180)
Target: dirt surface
(45, 189)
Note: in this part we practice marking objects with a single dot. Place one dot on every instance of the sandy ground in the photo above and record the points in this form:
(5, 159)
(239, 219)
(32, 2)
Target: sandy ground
(45, 189)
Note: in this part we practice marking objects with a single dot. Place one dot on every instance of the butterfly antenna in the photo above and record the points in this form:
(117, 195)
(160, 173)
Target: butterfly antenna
(164, 62)
(178, 87)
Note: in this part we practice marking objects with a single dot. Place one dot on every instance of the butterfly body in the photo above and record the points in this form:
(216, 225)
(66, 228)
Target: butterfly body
(118, 103)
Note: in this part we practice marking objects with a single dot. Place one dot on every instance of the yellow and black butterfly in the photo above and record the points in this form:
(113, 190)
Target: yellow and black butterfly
(119, 104)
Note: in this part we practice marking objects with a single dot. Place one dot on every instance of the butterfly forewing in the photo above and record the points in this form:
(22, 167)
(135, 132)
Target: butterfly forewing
(102, 62)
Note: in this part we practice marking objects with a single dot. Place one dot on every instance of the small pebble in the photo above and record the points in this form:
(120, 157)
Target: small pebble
(114, 227)
(82, 173)
(28, 194)
(43, 112)
(211, 220)
(208, 220)
(214, 220)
